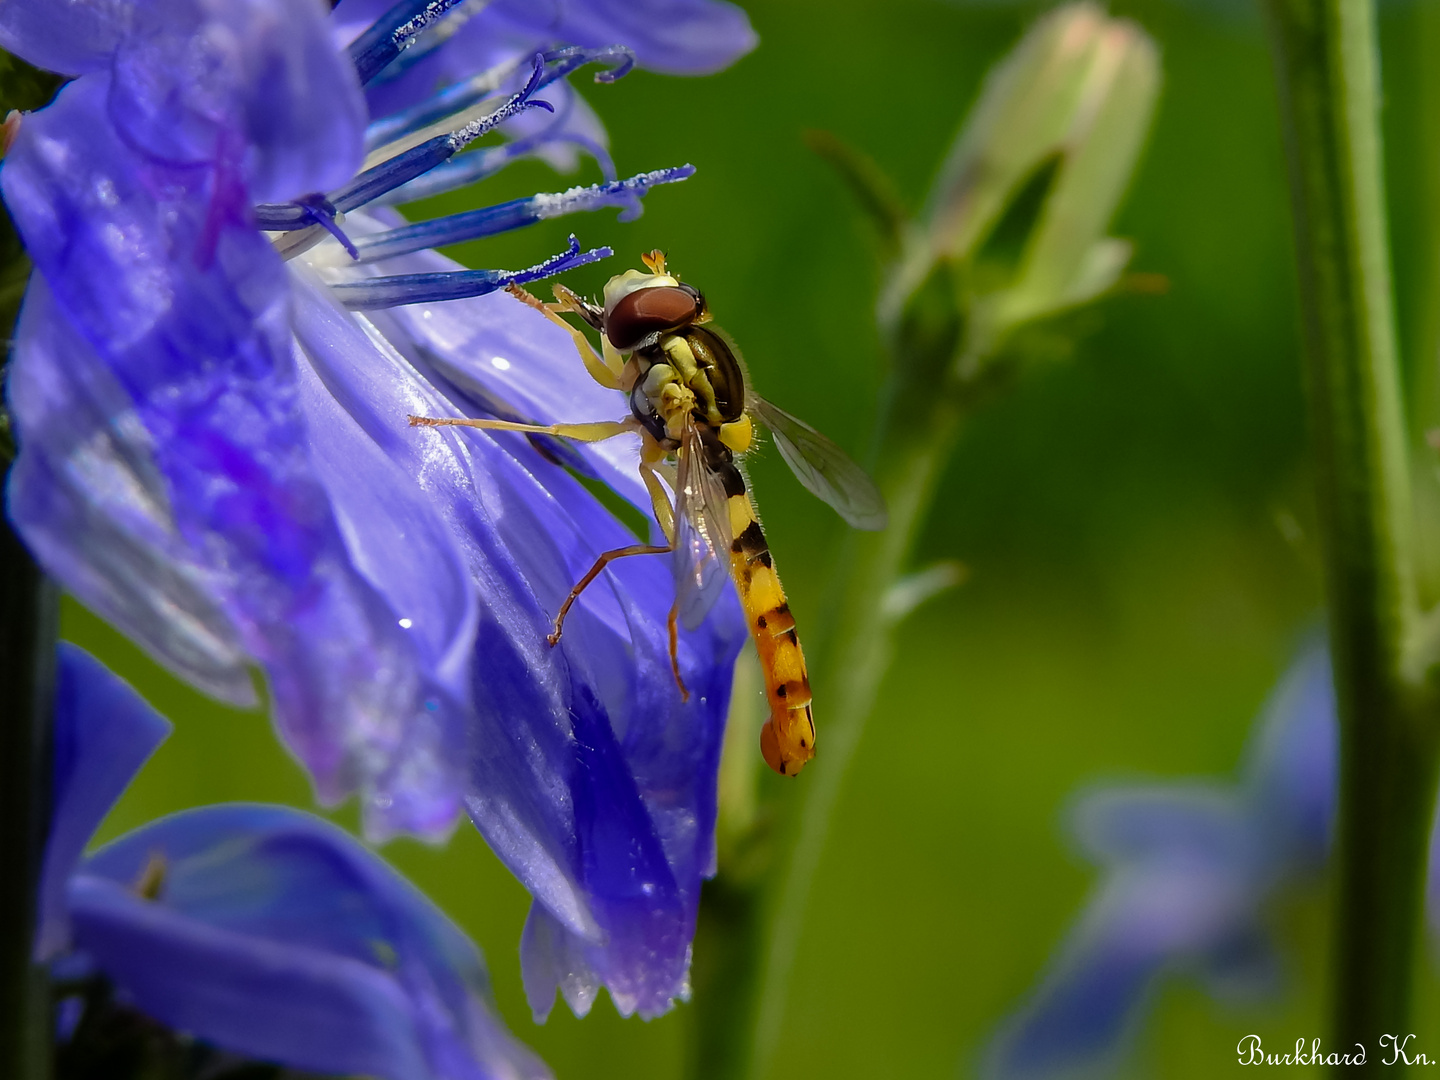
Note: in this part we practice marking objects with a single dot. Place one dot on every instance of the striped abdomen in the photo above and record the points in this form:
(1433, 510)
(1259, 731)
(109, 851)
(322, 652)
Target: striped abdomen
(788, 738)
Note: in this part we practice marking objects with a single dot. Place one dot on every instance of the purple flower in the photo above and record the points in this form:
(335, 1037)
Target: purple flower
(262, 930)
(213, 366)
(1188, 872)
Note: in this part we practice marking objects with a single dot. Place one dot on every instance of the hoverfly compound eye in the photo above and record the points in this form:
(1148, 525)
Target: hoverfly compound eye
(658, 309)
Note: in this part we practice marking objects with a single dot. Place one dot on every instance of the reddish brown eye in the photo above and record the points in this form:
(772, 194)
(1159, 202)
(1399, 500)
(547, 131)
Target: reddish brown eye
(645, 311)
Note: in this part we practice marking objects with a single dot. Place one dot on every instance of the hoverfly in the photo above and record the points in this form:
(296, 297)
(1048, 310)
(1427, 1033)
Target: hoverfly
(692, 407)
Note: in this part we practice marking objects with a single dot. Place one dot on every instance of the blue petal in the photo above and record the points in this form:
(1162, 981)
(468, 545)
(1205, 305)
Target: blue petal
(1177, 824)
(396, 531)
(508, 360)
(178, 315)
(276, 935)
(1292, 772)
(682, 37)
(1080, 1019)
(679, 37)
(69, 38)
(96, 510)
(588, 775)
(104, 732)
(253, 86)
(1189, 868)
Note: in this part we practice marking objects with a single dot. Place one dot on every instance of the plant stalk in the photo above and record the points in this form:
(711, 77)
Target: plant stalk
(857, 659)
(924, 406)
(29, 609)
(29, 622)
(1327, 71)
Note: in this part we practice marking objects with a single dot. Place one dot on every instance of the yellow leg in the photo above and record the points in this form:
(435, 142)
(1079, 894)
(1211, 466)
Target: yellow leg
(600, 370)
(605, 559)
(598, 431)
(659, 501)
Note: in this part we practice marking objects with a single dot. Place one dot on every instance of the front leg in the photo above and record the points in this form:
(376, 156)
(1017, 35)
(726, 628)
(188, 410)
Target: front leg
(605, 372)
(598, 431)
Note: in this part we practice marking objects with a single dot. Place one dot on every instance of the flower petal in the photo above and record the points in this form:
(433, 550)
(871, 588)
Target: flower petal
(1189, 824)
(69, 38)
(277, 935)
(588, 775)
(1080, 1020)
(180, 316)
(507, 359)
(678, 37)
(1292, 771)
(252, 85)
(103, 732)
(95, 509)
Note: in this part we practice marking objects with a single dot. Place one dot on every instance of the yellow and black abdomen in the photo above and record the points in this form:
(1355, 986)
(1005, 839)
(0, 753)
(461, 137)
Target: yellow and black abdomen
(788, 738)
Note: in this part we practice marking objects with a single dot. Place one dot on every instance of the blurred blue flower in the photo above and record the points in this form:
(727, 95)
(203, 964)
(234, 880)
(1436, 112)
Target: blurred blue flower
(1188, 872)
(263, 930)
(213, 366)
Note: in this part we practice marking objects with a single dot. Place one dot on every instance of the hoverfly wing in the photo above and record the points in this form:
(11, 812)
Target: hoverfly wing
(702, 534)
(823, 468)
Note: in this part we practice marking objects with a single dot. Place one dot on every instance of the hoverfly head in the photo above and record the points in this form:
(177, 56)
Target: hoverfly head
(639, 307)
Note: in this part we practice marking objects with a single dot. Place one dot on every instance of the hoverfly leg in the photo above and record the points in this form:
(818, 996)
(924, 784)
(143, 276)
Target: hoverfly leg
(568, 300)
(675, 649)
(598, 431)
(605, 559)
(605, 372)
(659, 501)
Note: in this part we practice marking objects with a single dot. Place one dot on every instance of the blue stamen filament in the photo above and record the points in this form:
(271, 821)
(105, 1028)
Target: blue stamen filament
(395, 290)
(323, 213)
(489, 220)
(307, 220)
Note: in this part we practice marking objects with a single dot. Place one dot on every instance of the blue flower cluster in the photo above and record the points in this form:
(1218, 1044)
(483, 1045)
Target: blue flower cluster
(262, 930)
(1189, 871)
(226, 329)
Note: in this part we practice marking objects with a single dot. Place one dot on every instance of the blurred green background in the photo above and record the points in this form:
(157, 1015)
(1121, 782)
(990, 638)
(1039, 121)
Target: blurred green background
(1136, 520)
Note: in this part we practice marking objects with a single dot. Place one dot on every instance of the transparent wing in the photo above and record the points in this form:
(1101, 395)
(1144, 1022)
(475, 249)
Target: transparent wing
(702, 534)
(823, 467)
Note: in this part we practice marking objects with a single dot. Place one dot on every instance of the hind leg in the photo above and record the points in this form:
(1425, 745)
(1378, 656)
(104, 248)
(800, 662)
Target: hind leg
(604, 560)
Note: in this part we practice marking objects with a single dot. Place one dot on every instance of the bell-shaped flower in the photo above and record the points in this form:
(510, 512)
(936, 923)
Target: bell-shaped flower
(1024, 199)
(1189, 869)
(225, 332)
(263, 931)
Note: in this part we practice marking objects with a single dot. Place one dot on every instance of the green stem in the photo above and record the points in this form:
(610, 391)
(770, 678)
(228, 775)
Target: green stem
(29, 620)
(1326, 65)
(924, 408)
(858, 657)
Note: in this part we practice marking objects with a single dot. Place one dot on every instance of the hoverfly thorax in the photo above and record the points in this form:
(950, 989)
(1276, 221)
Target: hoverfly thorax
(683, 371)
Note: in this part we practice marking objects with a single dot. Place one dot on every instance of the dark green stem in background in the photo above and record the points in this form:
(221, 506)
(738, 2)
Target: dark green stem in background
(1326, 66)
(28, 621)
(29, 616)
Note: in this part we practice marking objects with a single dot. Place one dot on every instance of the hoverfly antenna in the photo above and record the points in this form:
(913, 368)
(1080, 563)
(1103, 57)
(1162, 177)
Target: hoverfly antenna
(655, 261)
